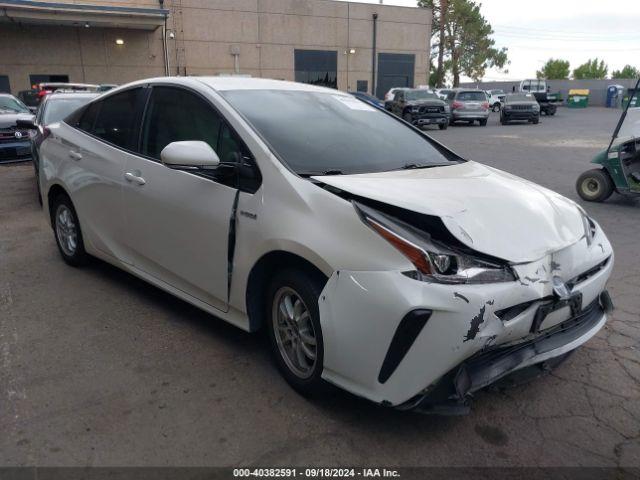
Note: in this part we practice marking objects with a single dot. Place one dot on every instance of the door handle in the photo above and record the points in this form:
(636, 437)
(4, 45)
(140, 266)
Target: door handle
(130, 177)
(75, 155)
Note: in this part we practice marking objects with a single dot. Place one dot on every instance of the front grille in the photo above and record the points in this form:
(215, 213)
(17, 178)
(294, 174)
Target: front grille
(9, 134)
(431, 110)
(521, 107)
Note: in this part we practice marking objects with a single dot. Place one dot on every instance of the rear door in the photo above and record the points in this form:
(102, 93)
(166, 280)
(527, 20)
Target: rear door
(97, 152)
(177, 222)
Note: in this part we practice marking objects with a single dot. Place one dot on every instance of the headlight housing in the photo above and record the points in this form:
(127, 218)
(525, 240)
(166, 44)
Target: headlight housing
(434, 261)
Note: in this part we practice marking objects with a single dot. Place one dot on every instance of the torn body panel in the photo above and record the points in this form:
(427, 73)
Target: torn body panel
(369, 306)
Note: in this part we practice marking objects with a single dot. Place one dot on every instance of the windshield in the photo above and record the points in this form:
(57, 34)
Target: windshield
(472, 96)
(314, 133)
(420, 95)
(12, 104)
(520, 97)
(59, 108)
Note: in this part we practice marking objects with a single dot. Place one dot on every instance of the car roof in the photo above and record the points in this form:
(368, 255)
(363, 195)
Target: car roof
(231, 82)
(76, 94)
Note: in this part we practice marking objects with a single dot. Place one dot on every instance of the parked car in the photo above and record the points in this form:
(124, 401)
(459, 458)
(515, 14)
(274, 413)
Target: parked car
(105, 87)
(533, 85)
(495, 98)
(389, 96)
(46, 88)
(365, 97)
(520, 106)
(14, 141)
(376, 258)
(445, 94)
(29, 98)
(420, 107)
(53, 108)
(469, 105)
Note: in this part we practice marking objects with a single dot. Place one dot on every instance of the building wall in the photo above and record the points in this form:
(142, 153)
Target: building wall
(266, 33)
(597, 94)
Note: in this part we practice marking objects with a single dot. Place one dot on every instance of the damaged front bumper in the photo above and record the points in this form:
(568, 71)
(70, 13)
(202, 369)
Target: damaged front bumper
(412, 344)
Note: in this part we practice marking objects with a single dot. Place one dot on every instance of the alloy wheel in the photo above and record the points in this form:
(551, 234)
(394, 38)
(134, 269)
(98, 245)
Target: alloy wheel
(294, 332)
(66, 230)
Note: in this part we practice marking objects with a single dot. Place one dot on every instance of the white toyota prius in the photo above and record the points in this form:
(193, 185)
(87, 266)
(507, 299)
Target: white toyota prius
(377, 259)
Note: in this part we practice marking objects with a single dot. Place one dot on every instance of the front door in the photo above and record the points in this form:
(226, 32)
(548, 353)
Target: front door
(177, 222)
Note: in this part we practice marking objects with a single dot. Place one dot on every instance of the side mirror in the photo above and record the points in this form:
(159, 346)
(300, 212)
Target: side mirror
(189, 155)
(26, 124)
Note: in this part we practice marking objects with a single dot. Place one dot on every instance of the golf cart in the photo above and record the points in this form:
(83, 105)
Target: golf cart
(620, 162)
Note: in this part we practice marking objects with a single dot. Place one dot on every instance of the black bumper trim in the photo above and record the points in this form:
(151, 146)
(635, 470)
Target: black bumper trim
(408, 330)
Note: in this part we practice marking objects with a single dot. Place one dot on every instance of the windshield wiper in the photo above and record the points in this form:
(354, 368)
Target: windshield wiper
(326, 172)
(415, 166)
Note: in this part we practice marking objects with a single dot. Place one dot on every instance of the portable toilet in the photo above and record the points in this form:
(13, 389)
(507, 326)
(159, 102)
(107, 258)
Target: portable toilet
(578, 98)
(614, 96)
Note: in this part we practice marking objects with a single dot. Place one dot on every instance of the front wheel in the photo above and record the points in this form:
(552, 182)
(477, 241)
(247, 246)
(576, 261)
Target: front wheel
(594, 185)
(503, 120)
(407, 118)
(483, 122)
(535, 121)
(443, 126)
(295, 335)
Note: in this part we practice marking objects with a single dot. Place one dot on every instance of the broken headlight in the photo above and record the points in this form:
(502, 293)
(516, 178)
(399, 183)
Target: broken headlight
(434, 261)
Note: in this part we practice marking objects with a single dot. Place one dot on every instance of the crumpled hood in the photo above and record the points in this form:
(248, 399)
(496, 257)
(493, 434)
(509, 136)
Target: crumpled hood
(9, 119)
(488, 210)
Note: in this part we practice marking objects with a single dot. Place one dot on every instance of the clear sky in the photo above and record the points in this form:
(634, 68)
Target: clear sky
(573, 30)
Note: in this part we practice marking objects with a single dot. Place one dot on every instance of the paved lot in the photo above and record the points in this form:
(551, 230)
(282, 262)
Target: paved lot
(97, 368)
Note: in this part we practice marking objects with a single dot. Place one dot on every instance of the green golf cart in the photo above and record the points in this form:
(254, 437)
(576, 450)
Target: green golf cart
(620, 163)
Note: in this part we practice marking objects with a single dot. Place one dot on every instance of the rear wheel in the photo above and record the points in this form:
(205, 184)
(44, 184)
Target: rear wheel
(496, 107)
(594, 185)
(67, 231)
(294, 329)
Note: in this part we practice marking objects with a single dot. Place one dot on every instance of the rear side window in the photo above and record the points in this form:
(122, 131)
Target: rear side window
(175, 115)
(472, 97)
(116, 120)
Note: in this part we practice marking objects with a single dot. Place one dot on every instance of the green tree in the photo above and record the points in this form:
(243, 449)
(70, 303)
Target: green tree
(462, 39)
(628, 71)
(554, 70)
(591, 69)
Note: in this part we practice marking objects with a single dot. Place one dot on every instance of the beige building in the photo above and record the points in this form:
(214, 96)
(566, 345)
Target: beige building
(319, 41)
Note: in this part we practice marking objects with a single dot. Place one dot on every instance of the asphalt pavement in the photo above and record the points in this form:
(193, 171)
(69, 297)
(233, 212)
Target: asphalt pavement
(98, 368)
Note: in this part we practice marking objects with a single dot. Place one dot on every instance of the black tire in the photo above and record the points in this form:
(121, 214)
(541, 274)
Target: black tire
(483, 123)
(74, 255)
(535, 121)
(503, 120)
(443, 126)
(407, 117)
(307, 286)
(496, 107)
(594, 185)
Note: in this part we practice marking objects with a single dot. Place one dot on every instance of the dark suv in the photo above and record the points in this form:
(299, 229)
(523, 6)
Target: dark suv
(420, 107)
(520, 106)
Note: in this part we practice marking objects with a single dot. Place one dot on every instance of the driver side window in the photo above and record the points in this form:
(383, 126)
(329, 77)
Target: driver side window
(174, 115)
